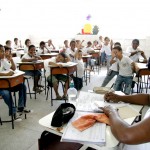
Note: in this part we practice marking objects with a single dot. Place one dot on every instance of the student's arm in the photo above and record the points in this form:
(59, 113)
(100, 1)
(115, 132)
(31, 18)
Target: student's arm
(144, 56)
(55, 64)
(139, 99)
(28, 60)
(125, 133)
(10, 60)
(10, 73)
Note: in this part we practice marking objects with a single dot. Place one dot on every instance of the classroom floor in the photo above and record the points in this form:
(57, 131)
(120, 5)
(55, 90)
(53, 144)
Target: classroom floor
(26, 133)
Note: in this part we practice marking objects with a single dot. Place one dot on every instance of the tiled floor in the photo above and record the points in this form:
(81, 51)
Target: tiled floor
(26, 133)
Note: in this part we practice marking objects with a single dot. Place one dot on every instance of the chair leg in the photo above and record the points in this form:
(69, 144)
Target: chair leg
(47, 92)
(1, 121)
(29, 88)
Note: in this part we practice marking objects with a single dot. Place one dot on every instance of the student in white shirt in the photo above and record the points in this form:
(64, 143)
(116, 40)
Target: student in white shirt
(135, 136)
(30, 57)
(61, 57)
(72, 50)
(113, 69)
(107, 46)
(10, 67)
(78, 81)
(126, 68)
(16, 44)
(50, 46)
(43, 49)
(135, 52)
(8, 44)
(27, 44)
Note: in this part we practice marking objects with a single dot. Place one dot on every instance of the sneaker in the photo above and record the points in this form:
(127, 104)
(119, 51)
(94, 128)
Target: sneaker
(64, 97)
(37, 90)
(26, 111)
(17, 117)
(58, 97)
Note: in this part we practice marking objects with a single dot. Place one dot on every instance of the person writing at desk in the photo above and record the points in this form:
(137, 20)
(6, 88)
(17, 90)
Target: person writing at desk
(133, 137)
(6, 66)
(54, 61)
(31, 57)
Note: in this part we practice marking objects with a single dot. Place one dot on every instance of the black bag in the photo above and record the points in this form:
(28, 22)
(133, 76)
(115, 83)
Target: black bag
(63, 114)
(50, 141)
(78, 83)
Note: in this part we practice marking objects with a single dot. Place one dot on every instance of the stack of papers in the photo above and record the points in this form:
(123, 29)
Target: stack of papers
(93, 135)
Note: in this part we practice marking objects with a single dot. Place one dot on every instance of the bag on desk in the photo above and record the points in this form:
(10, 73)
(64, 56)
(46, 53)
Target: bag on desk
(63, 114)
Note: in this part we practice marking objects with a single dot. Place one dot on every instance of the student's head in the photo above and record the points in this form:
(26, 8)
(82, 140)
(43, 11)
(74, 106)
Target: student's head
(2, 51)
(66, 42)
(106, 40)
(49, 42)
(100, 38)
(89, 44)
(79, 55)
(27, 42)
(95, 42)
(61, 57)
(135, 43)
(16, 40)
(8, 43)
(73, 45)
(32, 50)
(117, 51)
(117, 44)
(7, 50)
(42, 44)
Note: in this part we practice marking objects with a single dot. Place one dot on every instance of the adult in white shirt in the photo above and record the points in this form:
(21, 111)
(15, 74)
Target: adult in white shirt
(135, 52)
(133, 137)
(72, 50)
(126, 68)
(43, 49)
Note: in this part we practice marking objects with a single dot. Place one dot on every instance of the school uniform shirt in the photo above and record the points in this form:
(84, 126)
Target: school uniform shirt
(4, 65)
(16, 46)
(26, 56)
(49, 47)
(136, 56)
(26, 49)
(40, 51)
(114, 66)
(125, 66)
(46, 65)
(144, 146)
(69, 51)
(80, 68)
(106, 49)
(87, 50)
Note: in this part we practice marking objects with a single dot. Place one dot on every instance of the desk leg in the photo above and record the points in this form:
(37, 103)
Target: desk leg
(34, 85)
(12, 115)
(51, 90)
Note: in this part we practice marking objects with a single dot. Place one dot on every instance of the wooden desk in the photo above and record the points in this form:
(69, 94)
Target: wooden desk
(111, 141)
(54, 51)
(8, 82)
(31, 66)
(48, 55)
(142, 72)
(66, 69)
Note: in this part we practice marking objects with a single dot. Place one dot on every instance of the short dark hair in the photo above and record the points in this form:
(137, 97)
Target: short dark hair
(72, 42)
(15, 39)
(89, 42)
(31, 46)
(117, 44)
(63, 54)
(7, 48)
(118, 48)
(136, 40)
(1, 46)
(26, 41)
(42, 43)
(7, 41)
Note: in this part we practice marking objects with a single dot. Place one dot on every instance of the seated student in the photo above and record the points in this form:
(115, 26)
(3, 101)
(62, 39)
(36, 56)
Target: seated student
(135, 136)
(50, 46)
(78, 81)
(135, 52)
(7, 66)
(61, 57)
(17, 44)
(96, 45)
(72, 50)
(8, 44)
(27, 44)
(30, 57)
(65, 47)
(43, 49)
(113, 69)
(126, 68)
(79, 44)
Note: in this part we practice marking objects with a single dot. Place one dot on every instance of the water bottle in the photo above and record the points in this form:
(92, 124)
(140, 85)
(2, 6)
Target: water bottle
(72, 94)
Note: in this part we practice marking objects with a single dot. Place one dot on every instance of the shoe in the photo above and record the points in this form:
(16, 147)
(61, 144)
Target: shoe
(37, 90)
(25, 111)
(64, 97)
(17, 117)
(58, 97)
(41, 86)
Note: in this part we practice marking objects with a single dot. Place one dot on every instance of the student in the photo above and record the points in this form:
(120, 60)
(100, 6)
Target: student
(79, 44)
(96, 45)
(30, 57)
(65, 47)
(54, 61)
(72, 50)
(113, 69)
(135, 52)
(16, 44)
(126, 68)
(10, 67)
(27, 44)
(50, 46)
(8, 44)
(43, 49)
(78, 81)
(133, 137)
(107, 46)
